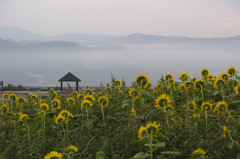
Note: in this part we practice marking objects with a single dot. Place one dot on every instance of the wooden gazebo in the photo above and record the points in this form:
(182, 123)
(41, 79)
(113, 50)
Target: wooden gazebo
(69, 77)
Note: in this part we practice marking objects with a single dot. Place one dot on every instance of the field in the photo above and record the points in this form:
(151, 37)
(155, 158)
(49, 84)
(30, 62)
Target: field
(178, 118)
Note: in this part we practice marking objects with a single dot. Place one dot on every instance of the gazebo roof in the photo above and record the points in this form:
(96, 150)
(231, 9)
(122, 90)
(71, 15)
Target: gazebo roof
(70, 77)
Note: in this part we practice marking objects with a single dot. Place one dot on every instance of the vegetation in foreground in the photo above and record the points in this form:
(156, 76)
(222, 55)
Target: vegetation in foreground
(191, 118)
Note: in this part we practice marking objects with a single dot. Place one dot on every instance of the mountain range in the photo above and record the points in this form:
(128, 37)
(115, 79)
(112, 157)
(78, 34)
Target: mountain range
(16, 38)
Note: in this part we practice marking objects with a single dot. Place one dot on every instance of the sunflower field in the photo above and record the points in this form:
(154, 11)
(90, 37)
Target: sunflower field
(183, 118)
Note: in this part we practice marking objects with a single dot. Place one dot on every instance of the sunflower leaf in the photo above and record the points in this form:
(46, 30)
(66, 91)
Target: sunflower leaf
(141, 155)
(171, 152)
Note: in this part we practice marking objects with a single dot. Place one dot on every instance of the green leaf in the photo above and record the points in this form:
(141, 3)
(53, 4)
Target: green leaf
(230, 145)
(141, 155)
(238, 156)
(236, 101)
(1, 157)
(171, 152)
(160, 144)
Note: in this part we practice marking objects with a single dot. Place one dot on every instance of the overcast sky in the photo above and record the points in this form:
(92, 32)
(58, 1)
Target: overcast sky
(194, 18)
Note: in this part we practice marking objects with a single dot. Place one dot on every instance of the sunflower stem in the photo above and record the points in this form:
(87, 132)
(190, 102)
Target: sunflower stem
(202, 92)
(151, 149)
(206, 119)
(87, 112)
(222, 92)
(103, 114)
(166, 116)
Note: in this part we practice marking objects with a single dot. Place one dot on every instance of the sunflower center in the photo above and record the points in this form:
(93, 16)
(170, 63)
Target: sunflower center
(151, 130)
(103, 101)
(142, 80)
(163, 102)
(206, 107)
(205, 73)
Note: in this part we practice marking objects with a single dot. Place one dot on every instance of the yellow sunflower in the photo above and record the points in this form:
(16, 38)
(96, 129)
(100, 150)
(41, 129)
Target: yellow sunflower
(66, 113)
(152, 128)
(199, 84)
(56, 104)
(182, 87)
(199, 153)
(188, 84)
(117, 83)
(191, 106)
(103, 101)
(21, 100)
(231, 71)
(134, 93)
(42, 101)
(87, 103)
(133, 111)
(89, 97)
(142, 131)
(224, 76)
(108, 89)
(210, 77)
(159, 85)
(218, 83)
(169, 76)
(74, 94)
(53, 154)
(224, 131)
(23, 117)
(221, 107)
(71, 147)
(237, 89)
(51, 90)
(5, 96)
(59, 119)
(71, 101)
(206, 106)
(34, 97)
(142, 80)
(88, 91)
(13, 97)
(4, 109)
(80, 96)
(162, 100)
(44, 107)
(196, 116)
(204, 73)
(184, 76)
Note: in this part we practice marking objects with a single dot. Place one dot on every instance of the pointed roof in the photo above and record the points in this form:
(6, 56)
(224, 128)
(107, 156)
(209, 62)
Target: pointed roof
(69, 77)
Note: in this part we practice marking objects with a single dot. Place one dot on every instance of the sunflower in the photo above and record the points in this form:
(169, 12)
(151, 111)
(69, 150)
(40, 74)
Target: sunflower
(142, 131)
(59, 119)
(23, 117)
(159, 85)
(44, 107)
(134, 93)
(221, 107)
(142, 80)
(103, 101)
(210, 77)
(191, 106)
(152, 128)
(87, 103)
(133, 111)
(56, 104)
(71, 101)
(169, 76)
(188, 84)
(171, 84)
(162, 100)
(71, 147)
(51, 90)
(120, 92)
(21, 100)
(108, 89)
(117, 83)
(219, 83)
(53, 154)
(196, 116)
(89, 97)
(206, 106)
(237, 89)
(34, 97)
(199, 153)
(88, 91)
(5, 96)
(182, 87)
(231, 71)
(80, 96)
(4, 109)
(199, 84)
(204, 73)
(66, 113)
(184, 76)
(13, 97)
(42, 101)
(74, 94)
(224, 76)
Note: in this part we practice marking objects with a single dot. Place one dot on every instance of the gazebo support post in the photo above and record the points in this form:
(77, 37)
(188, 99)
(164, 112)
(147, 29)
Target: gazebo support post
(61, 85)
(76, 85)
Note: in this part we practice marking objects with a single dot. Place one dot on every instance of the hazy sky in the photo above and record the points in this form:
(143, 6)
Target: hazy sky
(194, 18)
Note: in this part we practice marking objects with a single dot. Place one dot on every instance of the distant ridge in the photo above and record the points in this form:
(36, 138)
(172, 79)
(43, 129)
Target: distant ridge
(17, 34)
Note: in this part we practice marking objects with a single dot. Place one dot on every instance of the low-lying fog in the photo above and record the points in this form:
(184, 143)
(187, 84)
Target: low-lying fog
(45, 68)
